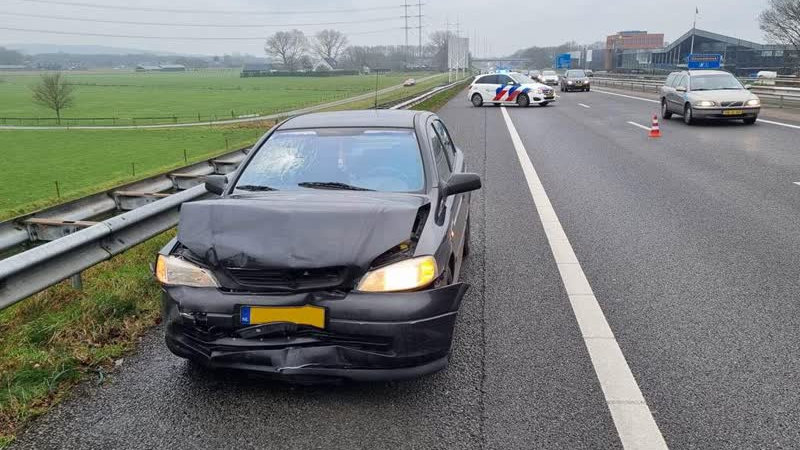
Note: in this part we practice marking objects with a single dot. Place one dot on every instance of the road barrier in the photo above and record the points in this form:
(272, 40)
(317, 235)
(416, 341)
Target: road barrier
(75, 244)
(780, 96)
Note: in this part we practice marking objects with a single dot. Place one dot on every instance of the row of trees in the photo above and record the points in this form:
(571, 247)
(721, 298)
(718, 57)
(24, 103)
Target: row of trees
(296, 51)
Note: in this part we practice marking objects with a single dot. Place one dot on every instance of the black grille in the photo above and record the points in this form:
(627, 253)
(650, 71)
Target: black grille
(288, 279)
(731, 104)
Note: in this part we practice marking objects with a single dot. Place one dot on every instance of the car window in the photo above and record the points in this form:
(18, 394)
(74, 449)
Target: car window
(503, 79)
(682, 81)
(444, 135)
(576, 74)
(371, 158)
(521, 79)
(439, 154)
(715, 82)
(488, 79)
(548, 73)
(670, 80)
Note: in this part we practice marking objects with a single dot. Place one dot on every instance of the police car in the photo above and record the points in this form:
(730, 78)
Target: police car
(509, 89)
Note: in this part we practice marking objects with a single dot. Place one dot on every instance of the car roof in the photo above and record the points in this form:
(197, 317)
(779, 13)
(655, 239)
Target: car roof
(359, 118)
(708, 72)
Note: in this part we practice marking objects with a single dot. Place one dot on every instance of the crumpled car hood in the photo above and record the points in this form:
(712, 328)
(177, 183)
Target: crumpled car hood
(299, 229)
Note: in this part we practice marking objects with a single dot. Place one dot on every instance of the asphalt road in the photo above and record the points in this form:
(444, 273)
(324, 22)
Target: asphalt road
(690, 244)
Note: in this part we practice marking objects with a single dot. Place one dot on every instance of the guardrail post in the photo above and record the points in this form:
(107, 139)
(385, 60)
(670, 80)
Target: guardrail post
(77, 281)
(781, 97)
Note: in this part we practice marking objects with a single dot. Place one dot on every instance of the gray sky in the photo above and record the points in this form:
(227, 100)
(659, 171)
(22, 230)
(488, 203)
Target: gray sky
(502, 26)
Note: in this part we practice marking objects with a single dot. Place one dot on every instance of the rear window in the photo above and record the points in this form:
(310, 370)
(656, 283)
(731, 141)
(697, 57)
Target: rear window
(487, 79)
(548, 72)
(370, 158)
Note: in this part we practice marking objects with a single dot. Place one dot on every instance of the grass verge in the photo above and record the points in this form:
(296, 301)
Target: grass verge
(56, 338)
(60, 337)
(441, 98)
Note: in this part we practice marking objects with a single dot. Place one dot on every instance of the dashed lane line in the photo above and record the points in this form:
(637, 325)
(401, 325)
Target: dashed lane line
(639, 125)
(632, 417)
(584, 105)
(780, 124)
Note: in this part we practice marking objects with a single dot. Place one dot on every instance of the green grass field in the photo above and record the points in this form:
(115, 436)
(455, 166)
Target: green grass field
(84, 161)
(187, 95)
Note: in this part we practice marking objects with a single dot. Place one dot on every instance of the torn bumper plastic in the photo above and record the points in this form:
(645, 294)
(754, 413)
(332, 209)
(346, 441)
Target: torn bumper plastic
(367, 337)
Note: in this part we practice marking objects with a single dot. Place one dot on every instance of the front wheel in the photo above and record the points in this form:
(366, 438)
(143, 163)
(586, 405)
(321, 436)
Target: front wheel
(523, 101)
(749, 120)
(665, 112)
(688, 117)
(477, 100)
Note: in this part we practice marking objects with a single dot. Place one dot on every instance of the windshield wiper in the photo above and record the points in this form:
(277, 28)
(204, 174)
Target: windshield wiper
(255, 188)
(331, 185)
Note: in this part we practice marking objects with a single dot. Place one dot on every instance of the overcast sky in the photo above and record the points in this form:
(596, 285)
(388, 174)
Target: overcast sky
(501, 26)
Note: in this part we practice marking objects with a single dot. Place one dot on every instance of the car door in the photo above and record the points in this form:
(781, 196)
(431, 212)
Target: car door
(505, 88)
(667, 86)
(450, 160)
(676, 97)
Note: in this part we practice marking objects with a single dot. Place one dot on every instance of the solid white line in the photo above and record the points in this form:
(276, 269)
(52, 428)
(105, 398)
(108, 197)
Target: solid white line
(779, 124)
(628, 96)
(640, 126)
(797, 183)
(585, 106)
(632, 417)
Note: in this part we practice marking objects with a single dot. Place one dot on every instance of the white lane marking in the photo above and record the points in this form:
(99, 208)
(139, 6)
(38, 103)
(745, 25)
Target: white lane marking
(640, 126)
(585, 106)
(797, 183)
(629, 96)
(771, 122)
(781, 124)
(632, 417)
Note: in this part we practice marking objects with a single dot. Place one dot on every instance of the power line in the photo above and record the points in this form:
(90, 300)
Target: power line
(204, 25)
(178, 38)
(209, 11)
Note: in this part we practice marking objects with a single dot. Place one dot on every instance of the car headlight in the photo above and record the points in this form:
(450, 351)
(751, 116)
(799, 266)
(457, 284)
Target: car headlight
(401, 276)
(753, 102)
(705, 103)
(174, 271)
(538, 91)
(569, 82)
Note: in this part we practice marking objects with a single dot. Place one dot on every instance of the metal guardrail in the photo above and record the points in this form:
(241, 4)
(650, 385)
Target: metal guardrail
(780, 96)
(86, 244)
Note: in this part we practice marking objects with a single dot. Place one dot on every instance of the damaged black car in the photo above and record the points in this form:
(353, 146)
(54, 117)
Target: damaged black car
(333, 252)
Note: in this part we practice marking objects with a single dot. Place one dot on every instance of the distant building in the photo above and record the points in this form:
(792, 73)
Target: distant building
(325, 64)
(172, 68)
(146, 68)
(13, 67)
(630, 40)
(256, 70)
(738, 56)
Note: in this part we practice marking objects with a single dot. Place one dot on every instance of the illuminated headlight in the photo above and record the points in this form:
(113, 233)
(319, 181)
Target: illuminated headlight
(705, 104)
(586, 81)
(538, 91)
(401, 276)
(173, 271)
(753, 102)
(569, 82)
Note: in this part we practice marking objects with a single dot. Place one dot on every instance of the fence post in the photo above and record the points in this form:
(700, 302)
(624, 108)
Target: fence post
(781, 96)
(77, 281)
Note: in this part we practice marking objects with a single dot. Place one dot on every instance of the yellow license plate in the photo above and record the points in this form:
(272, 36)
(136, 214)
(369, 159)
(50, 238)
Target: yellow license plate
(301, 315)
(732, 112)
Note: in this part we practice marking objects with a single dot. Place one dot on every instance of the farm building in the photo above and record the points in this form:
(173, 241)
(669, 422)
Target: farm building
(173, 68)
(146, 68)
(325, 64)
(256, 70)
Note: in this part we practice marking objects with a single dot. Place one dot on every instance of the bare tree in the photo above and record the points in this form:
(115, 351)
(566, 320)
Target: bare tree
(288, 45)
(438, 41)
(53, 92)
(780, 22)
(329, 43)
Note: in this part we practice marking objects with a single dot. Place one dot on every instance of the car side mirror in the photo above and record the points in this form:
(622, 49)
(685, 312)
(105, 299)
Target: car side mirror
(748, 86)
(460, 183)
(681, 89)
(216, 184)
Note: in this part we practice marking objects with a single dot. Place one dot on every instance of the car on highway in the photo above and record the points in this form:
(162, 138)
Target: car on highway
(509, 89)
(589, 73)
(549, 77)
(575, 80)
(410, 82)
(535, 75)
(708, 94)
(333, 253)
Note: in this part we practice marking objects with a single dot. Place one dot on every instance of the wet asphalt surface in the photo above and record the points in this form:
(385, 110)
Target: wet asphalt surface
(691, 244)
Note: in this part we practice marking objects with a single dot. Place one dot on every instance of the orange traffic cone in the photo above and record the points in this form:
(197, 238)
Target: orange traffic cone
(655, 132)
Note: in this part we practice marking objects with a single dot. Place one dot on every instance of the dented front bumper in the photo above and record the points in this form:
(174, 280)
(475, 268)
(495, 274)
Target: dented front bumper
(366, 337)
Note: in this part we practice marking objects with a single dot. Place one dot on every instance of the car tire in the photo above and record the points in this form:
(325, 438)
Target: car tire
(496, 104)
(688, 115)
(477, 100)
(750, 120)
(523, 101)
(588, 89)
(666, 114)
